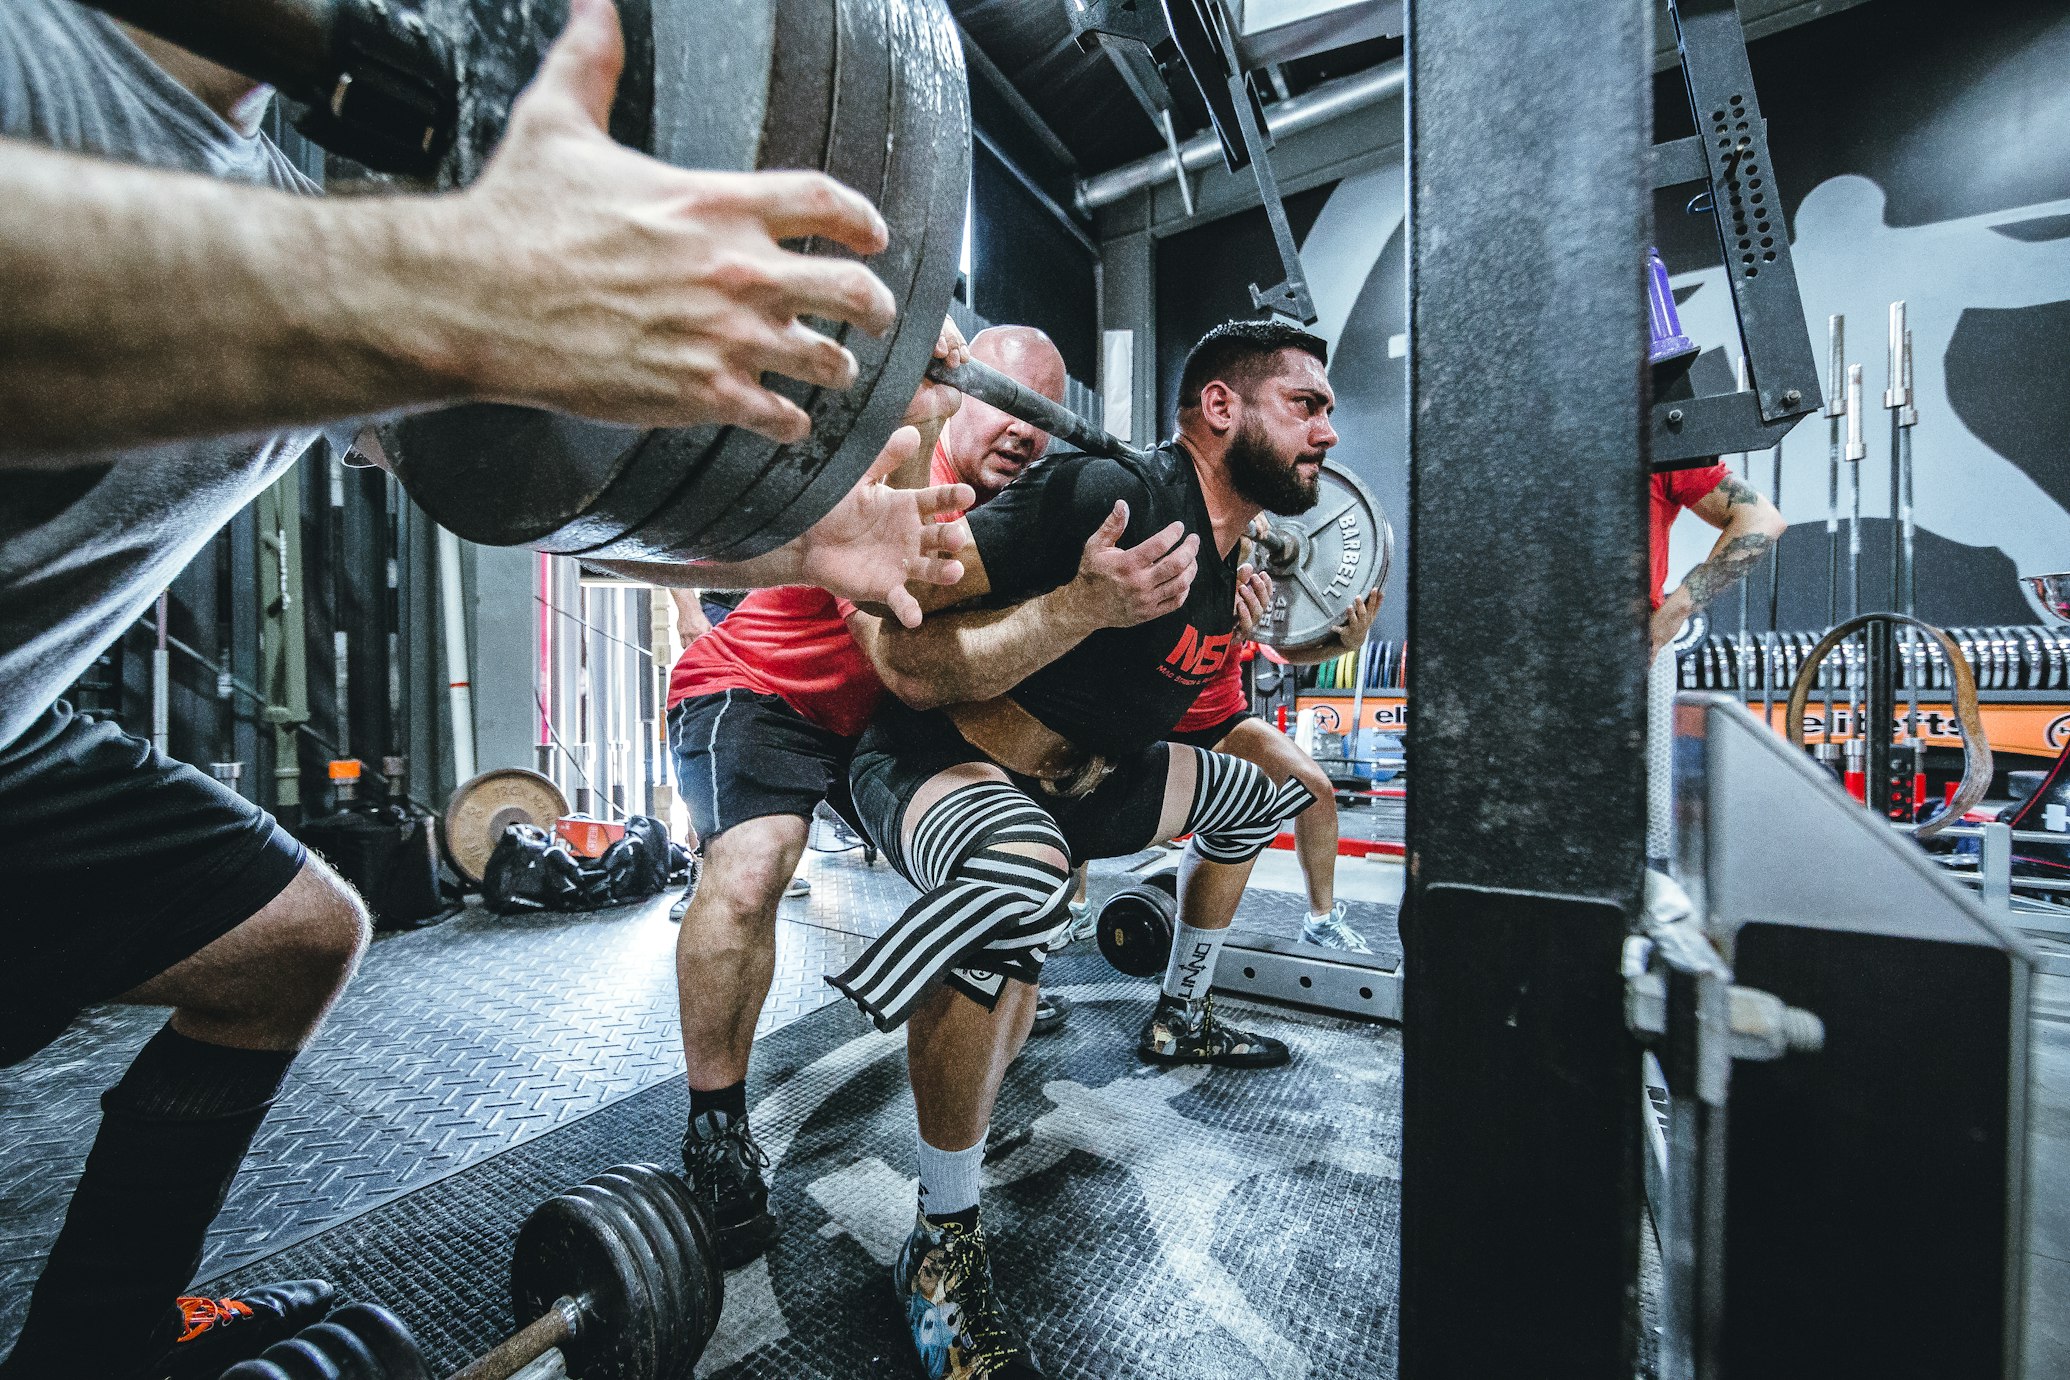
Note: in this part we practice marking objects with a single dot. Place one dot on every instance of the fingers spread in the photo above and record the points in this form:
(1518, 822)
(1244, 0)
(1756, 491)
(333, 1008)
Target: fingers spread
(899, 449)
(740, 403)
(797, 205)
(582, 66)
(799, 352)
(837, 289)
(944, 538)
(945, 498)
(934, 570)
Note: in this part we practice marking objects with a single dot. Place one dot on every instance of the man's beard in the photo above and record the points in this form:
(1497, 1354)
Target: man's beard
(1260, 476)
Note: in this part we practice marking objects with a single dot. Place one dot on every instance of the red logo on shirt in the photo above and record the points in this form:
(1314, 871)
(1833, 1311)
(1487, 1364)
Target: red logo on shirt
(1199, 656)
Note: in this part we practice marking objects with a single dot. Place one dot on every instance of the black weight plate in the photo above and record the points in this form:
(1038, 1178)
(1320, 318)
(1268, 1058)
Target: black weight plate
(512, 476)
(1166, 881)
(1135, 930)
(255, 1370)
(567, 1247)
(385, 1336)
(748, 479)
(927, 184)
(354, 1359)
(679, 1295)
(302, 1360)
(648, 1319)
(693, 1228)
(688, 1214)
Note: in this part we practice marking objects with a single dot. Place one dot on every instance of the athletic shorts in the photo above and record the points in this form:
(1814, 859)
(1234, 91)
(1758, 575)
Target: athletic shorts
(116, 863)
(1207, 739)
(903, 749)
(742, 755)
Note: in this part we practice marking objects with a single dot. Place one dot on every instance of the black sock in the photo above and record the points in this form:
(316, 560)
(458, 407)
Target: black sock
(173, 1132)
(731, 1100)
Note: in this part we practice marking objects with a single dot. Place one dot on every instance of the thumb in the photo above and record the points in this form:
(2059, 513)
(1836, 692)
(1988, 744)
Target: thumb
(584, 63)
(903, 445)
(1110, 531)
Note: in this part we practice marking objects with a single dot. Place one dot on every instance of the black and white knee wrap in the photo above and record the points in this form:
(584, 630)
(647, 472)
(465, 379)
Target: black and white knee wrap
(1237, 810)
(985, 913)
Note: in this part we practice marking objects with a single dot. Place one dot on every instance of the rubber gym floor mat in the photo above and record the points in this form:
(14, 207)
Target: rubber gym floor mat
(1189, 1224)
(453, 1043)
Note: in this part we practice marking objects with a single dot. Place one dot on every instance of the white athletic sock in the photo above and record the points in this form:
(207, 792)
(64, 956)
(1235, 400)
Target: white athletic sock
(949, 1178)
(1192, 968)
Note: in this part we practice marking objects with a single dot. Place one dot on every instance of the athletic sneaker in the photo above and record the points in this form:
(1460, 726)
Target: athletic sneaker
(943, 1278)
(724, 1166)
(798, 887)
(1181, 1032)
(221, 1332)
(1084, 923)
(1049, 1014)
(1330, 931)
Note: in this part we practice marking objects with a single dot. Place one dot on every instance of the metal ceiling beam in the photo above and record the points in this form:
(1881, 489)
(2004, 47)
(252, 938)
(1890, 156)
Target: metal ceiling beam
(984, 69)
(1316, 106)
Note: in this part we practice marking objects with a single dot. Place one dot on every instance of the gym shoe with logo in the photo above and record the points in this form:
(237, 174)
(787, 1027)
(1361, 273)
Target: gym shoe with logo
(1181, 1032)
(943, 1278)
(724, 1166)
(1331, 931)
(1049, 1014)
(220, 1332)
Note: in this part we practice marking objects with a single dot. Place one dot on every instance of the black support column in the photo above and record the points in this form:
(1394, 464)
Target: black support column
(1529, 134)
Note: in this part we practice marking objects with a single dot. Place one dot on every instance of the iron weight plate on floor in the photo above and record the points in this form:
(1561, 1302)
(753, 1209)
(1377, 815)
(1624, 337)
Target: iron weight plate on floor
(681, 1306)
(700, 1245)
(568, 1246)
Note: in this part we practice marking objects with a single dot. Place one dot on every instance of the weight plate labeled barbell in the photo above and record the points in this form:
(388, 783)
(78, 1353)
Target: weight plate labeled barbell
(483, 807)
(871, 92)
(1324, 561)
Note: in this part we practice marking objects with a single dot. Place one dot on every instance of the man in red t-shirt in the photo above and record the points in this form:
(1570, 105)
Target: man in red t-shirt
(1748, 525)
(1221, 720)
(763, 714)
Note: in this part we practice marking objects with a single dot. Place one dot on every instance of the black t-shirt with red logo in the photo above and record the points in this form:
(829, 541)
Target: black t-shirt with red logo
(1121, 689)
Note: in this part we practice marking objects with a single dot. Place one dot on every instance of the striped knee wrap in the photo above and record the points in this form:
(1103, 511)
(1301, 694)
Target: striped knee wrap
(985, 914)
(1237, 810)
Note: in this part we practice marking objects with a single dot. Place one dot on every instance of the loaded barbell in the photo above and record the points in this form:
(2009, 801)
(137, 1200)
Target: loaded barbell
(619, 1275)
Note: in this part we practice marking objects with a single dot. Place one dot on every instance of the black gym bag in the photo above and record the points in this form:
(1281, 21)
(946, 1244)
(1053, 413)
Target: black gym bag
(534, 870)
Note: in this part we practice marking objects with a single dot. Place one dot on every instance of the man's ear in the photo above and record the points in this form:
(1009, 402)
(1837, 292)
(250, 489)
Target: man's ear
(1219, 406)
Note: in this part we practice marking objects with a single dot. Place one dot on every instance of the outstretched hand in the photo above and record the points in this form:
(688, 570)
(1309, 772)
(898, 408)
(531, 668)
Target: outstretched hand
(878, 537)
(614, 286)
(1119, 588)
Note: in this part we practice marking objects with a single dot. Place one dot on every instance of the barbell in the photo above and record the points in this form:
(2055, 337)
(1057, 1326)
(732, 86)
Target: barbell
(619, 1275)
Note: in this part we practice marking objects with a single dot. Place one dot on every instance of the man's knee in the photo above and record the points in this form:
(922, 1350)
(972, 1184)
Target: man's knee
(746, 870)
(327, 932)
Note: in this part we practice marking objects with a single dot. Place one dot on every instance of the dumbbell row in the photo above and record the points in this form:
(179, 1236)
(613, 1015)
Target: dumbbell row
(2001, 658)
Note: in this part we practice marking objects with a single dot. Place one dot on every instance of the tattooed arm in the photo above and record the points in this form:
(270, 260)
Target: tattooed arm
(1748, 525)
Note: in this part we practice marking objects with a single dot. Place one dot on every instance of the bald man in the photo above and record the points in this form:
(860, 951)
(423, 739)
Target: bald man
(764, 712)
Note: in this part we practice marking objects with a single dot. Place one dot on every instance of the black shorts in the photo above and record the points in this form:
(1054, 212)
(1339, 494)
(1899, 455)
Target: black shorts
(741, 755)
(116, 863)
(1207, 738)
(903, 749)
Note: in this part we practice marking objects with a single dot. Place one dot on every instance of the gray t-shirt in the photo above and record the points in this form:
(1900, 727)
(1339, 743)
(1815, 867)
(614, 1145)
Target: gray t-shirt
(84, 551)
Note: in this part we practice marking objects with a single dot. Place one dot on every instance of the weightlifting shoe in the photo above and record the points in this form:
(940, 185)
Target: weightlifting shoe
(1331, 931)
(1049, 1014)
(217, 1333)
(943, 1278)
(724, 1166)
(1180, 1032)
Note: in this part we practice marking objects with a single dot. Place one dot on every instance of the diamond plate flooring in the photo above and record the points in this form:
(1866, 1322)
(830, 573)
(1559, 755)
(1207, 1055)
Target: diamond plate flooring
(452, 1044)
(1147, 1224)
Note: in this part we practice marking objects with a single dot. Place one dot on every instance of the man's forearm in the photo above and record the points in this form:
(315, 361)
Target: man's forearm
(1730, 561)
(964, 656)
(783, 566)
(242, 308)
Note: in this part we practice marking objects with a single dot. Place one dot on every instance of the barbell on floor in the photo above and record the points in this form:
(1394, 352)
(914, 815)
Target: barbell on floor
(1134, 926)
(619, 1275)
